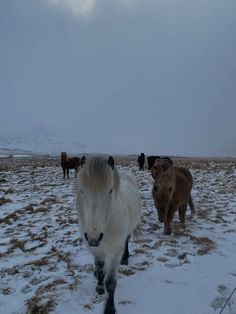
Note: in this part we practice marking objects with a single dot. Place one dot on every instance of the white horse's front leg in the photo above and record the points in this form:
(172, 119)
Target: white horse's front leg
(110, 281)
(110, 284)
(99, 274)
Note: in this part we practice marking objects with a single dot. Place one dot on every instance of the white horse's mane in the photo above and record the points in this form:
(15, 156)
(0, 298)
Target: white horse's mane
(96, 174)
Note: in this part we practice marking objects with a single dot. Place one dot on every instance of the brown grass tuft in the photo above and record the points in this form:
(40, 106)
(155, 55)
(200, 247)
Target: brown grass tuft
(4, 200)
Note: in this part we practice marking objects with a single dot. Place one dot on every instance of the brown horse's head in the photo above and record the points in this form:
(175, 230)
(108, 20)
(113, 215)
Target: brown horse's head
(159, 166)
(162, 192)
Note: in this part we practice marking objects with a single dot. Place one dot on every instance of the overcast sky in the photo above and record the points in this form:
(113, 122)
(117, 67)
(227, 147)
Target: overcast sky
(153, 76)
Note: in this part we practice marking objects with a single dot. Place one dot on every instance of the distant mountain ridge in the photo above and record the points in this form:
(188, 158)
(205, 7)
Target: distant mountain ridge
(49, 144)
(40, 145)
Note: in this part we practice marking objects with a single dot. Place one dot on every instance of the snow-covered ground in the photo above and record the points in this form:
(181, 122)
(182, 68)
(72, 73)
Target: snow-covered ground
(45, 267)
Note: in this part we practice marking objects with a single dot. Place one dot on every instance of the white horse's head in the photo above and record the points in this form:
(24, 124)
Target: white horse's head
(97, 186)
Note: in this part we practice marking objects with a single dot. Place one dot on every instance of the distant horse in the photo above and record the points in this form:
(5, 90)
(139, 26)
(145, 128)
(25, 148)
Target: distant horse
(171, 192)
(108, 205)
(151, 160)
(69, 163)
(111, 161)
(82, 160)
(141, 161)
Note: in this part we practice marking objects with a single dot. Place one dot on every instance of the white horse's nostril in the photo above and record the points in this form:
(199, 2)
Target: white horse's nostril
(100, 237)
(93, 242)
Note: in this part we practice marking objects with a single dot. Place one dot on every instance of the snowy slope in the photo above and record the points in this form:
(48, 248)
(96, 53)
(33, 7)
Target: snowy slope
(50, 144)
(40, 144)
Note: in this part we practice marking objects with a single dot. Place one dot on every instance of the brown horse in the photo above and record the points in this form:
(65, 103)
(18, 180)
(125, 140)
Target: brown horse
(69, 163)
(171, 192)
(161, 165)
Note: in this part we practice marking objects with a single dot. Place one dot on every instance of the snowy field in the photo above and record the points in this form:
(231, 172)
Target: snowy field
(45, 267)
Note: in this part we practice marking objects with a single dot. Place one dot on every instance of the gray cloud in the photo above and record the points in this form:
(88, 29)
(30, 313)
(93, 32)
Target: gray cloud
(153, 76)
(76, 7)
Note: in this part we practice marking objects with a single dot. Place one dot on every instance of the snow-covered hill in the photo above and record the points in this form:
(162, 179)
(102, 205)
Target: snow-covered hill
(46, 144)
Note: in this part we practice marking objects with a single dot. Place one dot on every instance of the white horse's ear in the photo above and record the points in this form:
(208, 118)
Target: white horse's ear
(111, 162)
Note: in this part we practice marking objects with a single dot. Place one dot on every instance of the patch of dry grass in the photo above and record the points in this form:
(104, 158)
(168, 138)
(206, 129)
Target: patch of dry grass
(9, 218)
(205, 243)
(126, 271)
(35, 306)
(4, 200)
(49, 200)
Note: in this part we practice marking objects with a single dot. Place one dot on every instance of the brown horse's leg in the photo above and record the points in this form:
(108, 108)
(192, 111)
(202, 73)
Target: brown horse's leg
(182, 213)
(168, 220)
(64, 172)
(67, 171)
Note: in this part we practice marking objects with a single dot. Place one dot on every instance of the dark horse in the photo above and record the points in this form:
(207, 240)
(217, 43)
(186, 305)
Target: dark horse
(82, 160)
(141, 161)
(69, 163)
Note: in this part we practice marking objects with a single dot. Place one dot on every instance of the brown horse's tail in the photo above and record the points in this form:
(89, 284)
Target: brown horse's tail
(191, 205)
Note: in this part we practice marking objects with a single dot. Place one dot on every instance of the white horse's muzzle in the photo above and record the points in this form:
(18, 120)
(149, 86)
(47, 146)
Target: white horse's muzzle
(93, 242)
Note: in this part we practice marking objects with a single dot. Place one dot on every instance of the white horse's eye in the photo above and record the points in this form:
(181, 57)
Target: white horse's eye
(111, 190)
(81, 192)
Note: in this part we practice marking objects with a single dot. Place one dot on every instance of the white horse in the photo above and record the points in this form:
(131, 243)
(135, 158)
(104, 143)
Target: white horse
(108, 204)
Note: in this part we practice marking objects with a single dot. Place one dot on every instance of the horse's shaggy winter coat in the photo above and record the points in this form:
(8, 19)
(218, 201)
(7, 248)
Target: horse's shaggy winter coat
(108, 204)
(171, 192)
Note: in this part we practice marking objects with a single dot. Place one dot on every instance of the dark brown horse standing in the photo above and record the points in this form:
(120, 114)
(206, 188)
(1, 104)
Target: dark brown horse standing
(141, 161)
(171, 192)
(69, 163)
